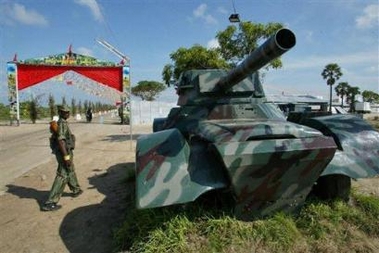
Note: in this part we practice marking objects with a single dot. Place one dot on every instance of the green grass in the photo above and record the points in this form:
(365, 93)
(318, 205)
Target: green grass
(333, 226)
(374, 122)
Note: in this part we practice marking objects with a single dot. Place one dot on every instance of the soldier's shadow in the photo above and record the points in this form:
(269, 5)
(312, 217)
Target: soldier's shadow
(90, 228)
(30, 193)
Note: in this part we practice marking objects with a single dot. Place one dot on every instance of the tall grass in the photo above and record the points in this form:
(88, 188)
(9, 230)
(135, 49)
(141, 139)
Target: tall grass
(333, 226)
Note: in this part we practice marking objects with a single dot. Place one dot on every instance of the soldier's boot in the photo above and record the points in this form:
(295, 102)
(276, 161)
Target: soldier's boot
(50, 207)
(76, 194)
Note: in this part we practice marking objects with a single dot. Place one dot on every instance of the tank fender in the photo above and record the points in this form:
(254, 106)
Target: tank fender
(358, 145)
(163, 171)
(158, 124)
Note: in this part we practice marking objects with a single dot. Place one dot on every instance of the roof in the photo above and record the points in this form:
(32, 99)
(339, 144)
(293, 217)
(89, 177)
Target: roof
(294, 99)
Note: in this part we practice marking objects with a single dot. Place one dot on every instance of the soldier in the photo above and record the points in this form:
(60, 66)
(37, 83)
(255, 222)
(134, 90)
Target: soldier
(62, 143)
(89, 115)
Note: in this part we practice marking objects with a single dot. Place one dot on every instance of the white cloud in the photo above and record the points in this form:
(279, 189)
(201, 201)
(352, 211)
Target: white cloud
(201, 13)
(342, 60)
(372, 69)
(94, 7)
(209, 19)
(309, 36)
(222, 10)
(213, 43)
(369, 18)
(85, 51)
(17, 13)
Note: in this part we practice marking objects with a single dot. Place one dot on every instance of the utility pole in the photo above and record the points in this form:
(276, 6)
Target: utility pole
(113, 50)
(124, 59)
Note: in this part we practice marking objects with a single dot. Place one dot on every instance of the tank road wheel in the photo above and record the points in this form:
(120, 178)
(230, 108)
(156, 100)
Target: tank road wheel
(335, 186)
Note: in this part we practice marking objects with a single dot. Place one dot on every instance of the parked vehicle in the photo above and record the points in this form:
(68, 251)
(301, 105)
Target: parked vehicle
(362, 107)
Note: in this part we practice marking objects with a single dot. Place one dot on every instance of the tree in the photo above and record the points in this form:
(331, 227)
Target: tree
(341, 89)
(196, 57)
(86, 105)
(351, 93)
(73, 106)
(80, 109)
(33, 106)
(168, 74)
(370, 96)
(52, 106)
(33, 110)
(331, 73)
(148, 90)
(236, 44)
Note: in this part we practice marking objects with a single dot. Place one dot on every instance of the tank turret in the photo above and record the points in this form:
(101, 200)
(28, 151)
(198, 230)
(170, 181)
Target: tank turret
(242, 81)
(275, 46)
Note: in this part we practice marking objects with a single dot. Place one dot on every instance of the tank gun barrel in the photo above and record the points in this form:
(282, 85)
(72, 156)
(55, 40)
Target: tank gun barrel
(283, 40)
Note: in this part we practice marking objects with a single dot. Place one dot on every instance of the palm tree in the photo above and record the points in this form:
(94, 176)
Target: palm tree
(352, 92)
(341, 89)
(332, 72)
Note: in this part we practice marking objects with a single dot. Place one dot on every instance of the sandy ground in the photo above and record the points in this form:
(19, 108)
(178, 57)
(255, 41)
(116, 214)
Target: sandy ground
(104, 154)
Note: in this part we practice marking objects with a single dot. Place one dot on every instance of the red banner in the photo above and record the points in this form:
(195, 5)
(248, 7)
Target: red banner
(29, 75)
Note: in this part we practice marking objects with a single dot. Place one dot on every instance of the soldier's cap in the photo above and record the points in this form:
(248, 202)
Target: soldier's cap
(63, 108)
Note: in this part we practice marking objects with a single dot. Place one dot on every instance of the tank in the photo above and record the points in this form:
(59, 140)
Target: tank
(225, 137)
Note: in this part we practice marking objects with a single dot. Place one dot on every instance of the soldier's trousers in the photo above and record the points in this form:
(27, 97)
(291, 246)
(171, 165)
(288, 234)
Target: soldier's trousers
(64, 176)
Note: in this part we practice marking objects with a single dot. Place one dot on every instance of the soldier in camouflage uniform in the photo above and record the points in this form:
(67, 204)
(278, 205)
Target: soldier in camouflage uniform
(62, 144)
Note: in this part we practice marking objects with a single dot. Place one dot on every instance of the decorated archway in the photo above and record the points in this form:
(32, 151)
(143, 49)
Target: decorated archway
(24, 74)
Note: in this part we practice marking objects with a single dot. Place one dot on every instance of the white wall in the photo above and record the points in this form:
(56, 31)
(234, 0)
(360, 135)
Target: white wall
(144, 112)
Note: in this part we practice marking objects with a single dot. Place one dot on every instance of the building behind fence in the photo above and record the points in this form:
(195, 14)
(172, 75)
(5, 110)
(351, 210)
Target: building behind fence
(144, 112)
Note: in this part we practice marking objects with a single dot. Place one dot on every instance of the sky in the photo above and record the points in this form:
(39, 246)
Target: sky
(148, 31)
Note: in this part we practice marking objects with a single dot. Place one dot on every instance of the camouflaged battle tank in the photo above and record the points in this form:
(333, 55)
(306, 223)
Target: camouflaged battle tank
(225, 136)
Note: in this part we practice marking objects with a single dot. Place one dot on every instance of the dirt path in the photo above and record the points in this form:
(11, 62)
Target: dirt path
(103, 156)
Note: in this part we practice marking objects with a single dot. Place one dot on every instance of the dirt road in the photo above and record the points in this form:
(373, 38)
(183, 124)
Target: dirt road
(103, 156)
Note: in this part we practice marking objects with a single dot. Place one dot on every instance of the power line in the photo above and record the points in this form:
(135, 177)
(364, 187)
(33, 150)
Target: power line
(107, 25)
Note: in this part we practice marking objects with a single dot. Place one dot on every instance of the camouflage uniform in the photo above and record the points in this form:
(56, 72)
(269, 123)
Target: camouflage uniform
(65, 175)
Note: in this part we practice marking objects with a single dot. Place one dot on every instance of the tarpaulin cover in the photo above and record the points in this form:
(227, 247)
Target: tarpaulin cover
(29, 75)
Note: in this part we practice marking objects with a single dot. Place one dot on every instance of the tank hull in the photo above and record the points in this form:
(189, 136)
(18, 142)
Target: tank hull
(267, 165)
